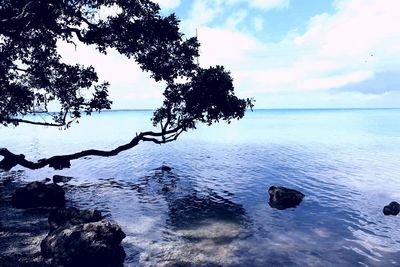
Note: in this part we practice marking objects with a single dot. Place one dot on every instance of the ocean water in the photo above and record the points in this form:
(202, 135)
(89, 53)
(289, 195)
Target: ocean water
(212, 208)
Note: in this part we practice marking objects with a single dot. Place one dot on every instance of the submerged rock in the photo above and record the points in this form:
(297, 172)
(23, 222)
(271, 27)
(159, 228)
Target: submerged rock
(89, 244)
(392, 209)
(166, 168)
(72, 216)
(282, 198)
(38, 194)
(61, 179)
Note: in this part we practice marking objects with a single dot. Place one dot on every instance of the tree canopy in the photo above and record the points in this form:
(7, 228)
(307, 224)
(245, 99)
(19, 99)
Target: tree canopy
(33, 75)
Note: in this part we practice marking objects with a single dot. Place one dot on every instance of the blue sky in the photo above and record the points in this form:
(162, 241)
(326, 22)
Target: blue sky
(284, 53)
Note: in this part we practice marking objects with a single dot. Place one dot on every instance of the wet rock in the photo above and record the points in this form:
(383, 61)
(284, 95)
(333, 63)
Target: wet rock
(61, 179)
(282, 198)
(166, 168)
(89, 244)
(34, 260)
(392, 209)
(167, 189)
(38, 194)
(72, 216)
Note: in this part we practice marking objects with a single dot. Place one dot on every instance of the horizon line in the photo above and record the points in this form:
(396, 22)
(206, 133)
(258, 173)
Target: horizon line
(343, 108)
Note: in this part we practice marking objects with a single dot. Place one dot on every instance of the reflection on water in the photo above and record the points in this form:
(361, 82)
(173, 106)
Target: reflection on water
(211, 208)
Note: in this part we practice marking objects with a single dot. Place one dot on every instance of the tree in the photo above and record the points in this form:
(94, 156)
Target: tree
(32, 74)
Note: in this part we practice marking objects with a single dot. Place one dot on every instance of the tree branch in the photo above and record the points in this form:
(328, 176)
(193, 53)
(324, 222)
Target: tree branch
(77, 32)
(23, 14)
(35, 122)
(59, 162)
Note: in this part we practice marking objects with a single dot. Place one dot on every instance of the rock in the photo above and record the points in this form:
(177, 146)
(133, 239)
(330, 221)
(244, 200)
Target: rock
(89, 244)
(167, 189)
(392, 209)
(38, 194)
(166, 168)
(72, 216)
(282, 198)
(61, 179)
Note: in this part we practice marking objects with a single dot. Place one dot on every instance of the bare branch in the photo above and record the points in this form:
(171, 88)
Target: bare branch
(11, 160)
(77, 32)
(35, 122)
(85, 20)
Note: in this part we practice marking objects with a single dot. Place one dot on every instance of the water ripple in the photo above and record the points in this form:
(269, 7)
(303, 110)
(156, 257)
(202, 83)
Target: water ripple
(211, 208)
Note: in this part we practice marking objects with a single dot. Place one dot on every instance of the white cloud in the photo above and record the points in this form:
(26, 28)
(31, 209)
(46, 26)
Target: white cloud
(235, 19)
(361, 38)
(129, 84)
(203, 12)
(261, 4)
(269, 4)
(349, 46)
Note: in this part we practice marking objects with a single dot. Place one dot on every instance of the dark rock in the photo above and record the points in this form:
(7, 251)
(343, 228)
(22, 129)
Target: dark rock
(282, 198)
(61, 179)
(38, 194)
(392, 209)
(166, 168)
(72, 216)
(167, 189)
(89, 244)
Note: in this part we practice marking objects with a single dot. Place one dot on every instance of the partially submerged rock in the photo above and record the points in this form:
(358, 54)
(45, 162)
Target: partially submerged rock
(89, 244)
(392, 209)
(282, 198)
(72, 216)
(61, 179)
(166, 168)
(38, 194)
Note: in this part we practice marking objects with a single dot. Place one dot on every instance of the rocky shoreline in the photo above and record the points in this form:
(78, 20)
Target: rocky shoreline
(36, 229)
(56, 236)
(21, 230)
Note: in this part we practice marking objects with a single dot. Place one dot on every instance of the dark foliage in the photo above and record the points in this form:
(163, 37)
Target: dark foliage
(32, 74)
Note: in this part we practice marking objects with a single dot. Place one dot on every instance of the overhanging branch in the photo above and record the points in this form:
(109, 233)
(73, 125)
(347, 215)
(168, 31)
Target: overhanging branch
(36, 122)
(59, 162)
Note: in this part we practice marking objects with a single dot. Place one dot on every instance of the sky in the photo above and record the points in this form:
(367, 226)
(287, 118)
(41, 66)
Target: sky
(284, 53)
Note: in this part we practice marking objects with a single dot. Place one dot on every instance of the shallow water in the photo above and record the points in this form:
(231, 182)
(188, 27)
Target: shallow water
(212, 208)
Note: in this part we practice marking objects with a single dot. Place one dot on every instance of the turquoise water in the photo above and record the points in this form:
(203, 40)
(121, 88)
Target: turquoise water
(212, 208)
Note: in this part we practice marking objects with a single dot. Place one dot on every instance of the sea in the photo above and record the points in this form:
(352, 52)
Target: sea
(211, 208)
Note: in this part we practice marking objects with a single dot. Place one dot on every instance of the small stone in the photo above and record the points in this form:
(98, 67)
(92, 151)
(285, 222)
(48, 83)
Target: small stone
(38, 194)
(282, 198)
(167, 189)
(61, 179)
(392, 209)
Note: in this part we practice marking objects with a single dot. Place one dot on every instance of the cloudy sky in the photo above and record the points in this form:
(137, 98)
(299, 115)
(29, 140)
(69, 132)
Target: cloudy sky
(284, 53)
